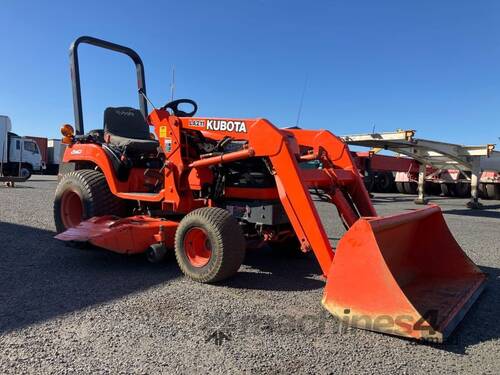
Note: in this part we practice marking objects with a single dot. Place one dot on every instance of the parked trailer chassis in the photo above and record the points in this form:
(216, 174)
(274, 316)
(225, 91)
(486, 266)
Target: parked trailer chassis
(440, 157)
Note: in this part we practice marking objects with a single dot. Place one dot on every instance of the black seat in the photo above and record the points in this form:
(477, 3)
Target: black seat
(126, 128)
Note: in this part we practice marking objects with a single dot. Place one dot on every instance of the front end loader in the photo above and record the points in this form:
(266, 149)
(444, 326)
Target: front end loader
(211, 188)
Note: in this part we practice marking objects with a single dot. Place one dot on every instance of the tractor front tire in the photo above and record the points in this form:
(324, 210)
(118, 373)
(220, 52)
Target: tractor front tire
(83, 194)
(209, 245)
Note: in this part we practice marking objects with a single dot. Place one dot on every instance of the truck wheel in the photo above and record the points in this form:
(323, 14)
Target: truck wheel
(25, 172)
(432, 188)
(493, 191)
(369, 182)
(462, 190)
(385, 182)
(410, 187)
(400, 187)
(209, 245)
(481, 191)
(448, 190)
(81, 195)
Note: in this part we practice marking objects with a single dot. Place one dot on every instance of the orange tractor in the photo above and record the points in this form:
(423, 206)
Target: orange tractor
(209, 188)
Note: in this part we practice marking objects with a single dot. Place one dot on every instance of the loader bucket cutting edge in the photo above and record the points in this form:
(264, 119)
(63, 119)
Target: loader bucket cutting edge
(403, 275)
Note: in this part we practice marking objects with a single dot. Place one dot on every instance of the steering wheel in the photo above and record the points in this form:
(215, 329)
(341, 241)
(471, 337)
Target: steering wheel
(174, 106)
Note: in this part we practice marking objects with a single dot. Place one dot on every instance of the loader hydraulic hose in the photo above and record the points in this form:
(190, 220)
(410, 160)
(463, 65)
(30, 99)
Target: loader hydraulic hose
(345, 209)
(223, 158)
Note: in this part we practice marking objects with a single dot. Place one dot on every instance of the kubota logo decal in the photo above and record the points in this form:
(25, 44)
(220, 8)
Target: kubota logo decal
(220, 125)
(227, 126)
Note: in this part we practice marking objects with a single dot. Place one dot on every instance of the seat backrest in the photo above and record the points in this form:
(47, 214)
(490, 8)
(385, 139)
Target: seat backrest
(126, 122)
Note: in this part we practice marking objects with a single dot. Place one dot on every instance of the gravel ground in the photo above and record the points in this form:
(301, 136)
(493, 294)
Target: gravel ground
(64, 310)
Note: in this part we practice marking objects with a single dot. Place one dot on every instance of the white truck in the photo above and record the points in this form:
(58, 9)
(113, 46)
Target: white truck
(19, 156)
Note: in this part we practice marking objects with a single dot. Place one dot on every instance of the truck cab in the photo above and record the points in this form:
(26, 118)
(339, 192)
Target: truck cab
(19, 156)
(25, 151)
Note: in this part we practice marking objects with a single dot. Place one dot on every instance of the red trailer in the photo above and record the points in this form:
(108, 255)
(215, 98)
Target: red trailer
(429, 166)
(380, 171)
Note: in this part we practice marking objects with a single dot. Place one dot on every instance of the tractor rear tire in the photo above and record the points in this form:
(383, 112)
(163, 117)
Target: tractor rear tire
(83, 194)
(209, 245)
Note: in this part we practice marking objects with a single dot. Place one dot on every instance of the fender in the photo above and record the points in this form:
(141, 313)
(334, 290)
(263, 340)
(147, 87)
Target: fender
(95, 154)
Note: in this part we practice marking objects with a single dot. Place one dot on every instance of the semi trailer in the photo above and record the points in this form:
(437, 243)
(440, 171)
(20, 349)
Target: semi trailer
(442, 168)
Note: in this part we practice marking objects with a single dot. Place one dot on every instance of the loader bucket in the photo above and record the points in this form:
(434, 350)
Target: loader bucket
(403, 275)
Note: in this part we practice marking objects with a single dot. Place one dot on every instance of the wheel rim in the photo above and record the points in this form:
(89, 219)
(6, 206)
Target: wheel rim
(197, 247)
(71, 209)
(24, 172)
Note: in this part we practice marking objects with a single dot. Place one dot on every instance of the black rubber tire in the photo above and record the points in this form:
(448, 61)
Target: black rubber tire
(26, 172)
(410, 187)
(369, 182)
(156, 253)
(481, 190)
(462, 190)
(432, 188)
(227, 244)
(448, 190)
(96, 198)
(400, 187)
(384, 183)
(493, 191)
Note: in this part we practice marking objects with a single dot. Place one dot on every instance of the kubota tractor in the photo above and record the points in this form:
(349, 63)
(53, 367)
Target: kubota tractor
(209, 188)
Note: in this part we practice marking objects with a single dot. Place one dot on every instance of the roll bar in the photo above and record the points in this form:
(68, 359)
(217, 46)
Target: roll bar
(75, 75)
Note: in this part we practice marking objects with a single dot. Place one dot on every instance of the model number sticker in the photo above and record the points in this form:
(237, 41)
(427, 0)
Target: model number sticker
(197, 123)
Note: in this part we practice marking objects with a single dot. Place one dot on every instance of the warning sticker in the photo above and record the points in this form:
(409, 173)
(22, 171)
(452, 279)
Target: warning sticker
(168, 145)
(163, 131)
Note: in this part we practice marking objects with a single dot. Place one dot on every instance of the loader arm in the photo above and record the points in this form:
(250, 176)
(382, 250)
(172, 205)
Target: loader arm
(337, 164)
(281, 149)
